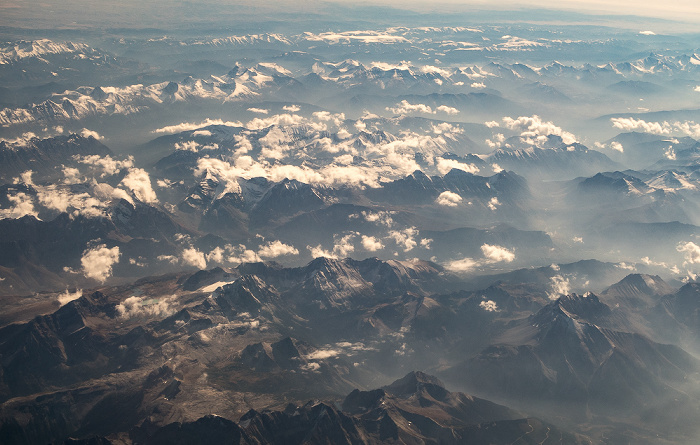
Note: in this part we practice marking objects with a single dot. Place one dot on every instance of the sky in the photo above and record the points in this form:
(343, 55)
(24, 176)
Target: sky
(77, 14)
(673, 9)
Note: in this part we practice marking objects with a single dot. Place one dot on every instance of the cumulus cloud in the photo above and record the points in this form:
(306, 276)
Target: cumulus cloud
(559, 286)
(463, 265)
(276, 249)
(319, 252)
(67, 296)
(22, 205)
(448, 110)
(382, 217)
(193, 257)
(632, 124)
(670, 154)
(148, 307)
(533, 128)
(258, 110)
(342, 246)
(688, 128)
(71, 175)
(449, 199)
(108, 165)
(278, 120)
(445, 165)
(447, 128)
(371, 243)
(188, 126)
(216, 255)
(326, 116)
(489, 306)
(497, 253)
(63, 200)
(691, 251)
(404, 107)
(492, 254)
(405, 238)
(138, 181)
(496, 140)
(617, 146)
(97, 262)
(89, 133)
(493, 203)
(478, 85)
(291, 108)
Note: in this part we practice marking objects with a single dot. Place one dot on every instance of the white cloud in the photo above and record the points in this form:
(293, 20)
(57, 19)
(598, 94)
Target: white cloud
(67, 296)
(447, 128)
(478, 85)
(534, 129)
(445, 165)
(326, 116)
(632, 124)
(496, 140)
(258, 110)
(89, 133)
(404, 107)
(342, 246)
(97, 262)
(216, 255)
(647, 33)
(463, 265)
(25, 178)
(62, 200)
(489, 306)
(405, 238)
(22, 205)
(319, 251)
(291, 108)
(108, 165)
(193, 257)
(188, 126)
(497, 254)
(670, 154)
(559, 286)
(278, 120)
(71, 175)
(492, 124)
(688, 128)
(449, 199)
(494, 203)
(138, 181)
(617, 146)
(371, 243)
(172, 259)
(448, 110)
(691, 250)
(276, 249)
(146, 307)
(382, 217)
